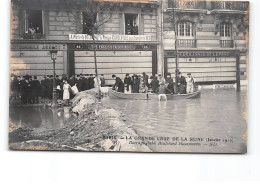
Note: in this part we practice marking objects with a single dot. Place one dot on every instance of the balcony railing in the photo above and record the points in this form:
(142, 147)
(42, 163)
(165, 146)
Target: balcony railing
(242, 6)
(226, 43)
(187, 4)
(186, 43)
(36, 36)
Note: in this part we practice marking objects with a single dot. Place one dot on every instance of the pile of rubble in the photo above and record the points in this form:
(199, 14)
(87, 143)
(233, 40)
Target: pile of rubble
(96, 122)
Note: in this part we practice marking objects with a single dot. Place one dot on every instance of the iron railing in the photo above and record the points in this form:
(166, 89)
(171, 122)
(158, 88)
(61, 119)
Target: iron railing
(226, 43)
(186, 43)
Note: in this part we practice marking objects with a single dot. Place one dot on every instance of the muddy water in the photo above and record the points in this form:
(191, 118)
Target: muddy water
(217, 114)
(40, 117)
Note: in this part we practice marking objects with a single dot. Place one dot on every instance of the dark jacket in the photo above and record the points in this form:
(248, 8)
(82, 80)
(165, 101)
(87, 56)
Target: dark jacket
(119, 84)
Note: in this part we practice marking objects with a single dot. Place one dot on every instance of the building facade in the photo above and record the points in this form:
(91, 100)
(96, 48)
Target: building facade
(134, 36)
(211, 38)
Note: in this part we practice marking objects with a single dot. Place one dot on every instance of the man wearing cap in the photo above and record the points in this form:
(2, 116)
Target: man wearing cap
(118, 84)
(181, 84)
(190, 83)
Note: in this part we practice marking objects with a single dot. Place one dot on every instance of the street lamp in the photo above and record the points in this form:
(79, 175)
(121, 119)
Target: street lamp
(54, 92)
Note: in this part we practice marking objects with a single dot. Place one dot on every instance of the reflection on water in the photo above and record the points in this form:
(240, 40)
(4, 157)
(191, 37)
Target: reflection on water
(41, 117)
(217, 114)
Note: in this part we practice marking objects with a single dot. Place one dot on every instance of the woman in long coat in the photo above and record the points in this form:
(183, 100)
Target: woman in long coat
(66, 92)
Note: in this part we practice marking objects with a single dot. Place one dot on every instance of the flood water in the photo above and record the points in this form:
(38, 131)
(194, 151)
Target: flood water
(40, 117)
(217, 114)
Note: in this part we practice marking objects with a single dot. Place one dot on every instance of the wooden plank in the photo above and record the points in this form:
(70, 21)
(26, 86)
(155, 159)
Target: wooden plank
(206, 74)
(114, 59)
(113, 65)
(33, 54)
(36, 66)
(114, 54)
(38, 60)
(202, 65)
(220, 69)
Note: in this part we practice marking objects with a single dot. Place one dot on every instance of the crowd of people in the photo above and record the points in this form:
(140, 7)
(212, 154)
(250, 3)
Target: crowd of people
(155, 84)
(28, 88)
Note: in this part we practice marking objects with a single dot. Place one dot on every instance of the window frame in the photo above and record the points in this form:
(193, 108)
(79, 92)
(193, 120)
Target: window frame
(185, 27)
(26, 24)
(225, 31)
(137, 21)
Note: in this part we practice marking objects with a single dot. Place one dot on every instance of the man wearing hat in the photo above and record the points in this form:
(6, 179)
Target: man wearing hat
(190, 83)
(181, 84)
(118, 84)
(128, 83)
(162, 90)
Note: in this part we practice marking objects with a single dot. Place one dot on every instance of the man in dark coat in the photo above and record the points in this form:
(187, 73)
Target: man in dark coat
(36, 88)
(136, 83)
(170, 83)
(103, 81)
(146, 77)
(80, 83)
(135, 29)
(128, 83)
(154, 84)
(91, 82)
(118, 84)
(181, 84)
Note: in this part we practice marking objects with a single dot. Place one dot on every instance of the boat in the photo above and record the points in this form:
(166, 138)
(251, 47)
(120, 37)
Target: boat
(151, 96)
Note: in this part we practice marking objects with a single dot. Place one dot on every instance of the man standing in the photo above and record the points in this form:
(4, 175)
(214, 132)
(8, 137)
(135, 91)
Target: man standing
(170, 83)
(181, 84)
(135, 29)
(128, 83)
(103, 81)
(36, 88)
(118, 84)
(190, 83)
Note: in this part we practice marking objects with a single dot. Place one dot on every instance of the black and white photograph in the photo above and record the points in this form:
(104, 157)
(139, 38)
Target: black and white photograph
(145, 76)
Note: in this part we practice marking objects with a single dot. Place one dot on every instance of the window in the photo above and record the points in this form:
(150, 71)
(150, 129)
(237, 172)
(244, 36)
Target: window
(131, 24)
(225, 30)
(185, 29)
(89, 22)
(33, 24)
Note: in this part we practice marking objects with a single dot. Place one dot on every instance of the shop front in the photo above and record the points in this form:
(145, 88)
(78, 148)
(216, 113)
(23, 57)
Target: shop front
(112, 58)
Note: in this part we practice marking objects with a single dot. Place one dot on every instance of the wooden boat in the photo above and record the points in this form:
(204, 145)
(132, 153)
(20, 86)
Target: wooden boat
(151, 96)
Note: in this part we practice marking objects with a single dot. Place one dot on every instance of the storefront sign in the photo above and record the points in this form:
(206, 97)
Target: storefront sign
(38, 47)
(112, 47)
(207, 53)
(111, 37)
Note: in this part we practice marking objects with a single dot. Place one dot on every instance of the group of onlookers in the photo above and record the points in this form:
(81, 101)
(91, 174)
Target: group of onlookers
(155, 84)
(28, 88)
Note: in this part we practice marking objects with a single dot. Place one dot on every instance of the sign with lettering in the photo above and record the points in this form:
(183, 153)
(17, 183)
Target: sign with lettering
(37, 47)
(202, 53)
(111, 37)
(112, 47)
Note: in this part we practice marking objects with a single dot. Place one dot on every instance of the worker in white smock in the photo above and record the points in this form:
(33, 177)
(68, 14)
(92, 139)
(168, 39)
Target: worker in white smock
(66, 92)
(190, 83)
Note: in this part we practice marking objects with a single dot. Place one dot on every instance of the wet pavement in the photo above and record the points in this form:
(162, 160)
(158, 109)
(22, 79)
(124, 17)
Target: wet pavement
(217, 114)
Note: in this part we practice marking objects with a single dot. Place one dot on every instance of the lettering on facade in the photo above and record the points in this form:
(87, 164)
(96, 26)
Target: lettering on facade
(111, 37)
(187, 54)
(30, 46)
(112, 47)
